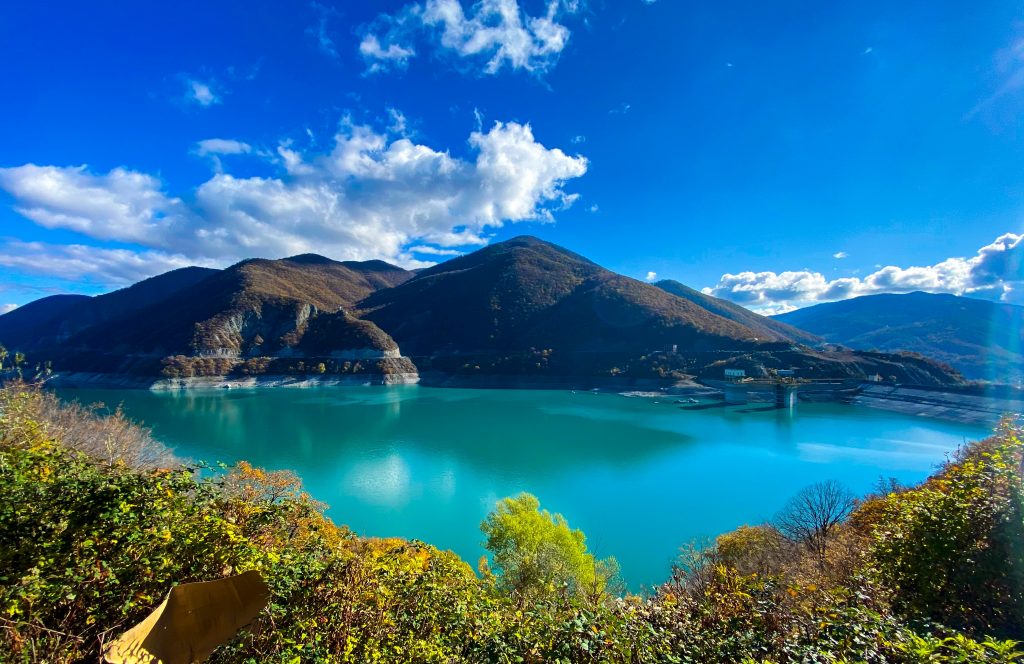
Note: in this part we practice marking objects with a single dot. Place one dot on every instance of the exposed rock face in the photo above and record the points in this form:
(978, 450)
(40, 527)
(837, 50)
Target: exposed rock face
(257, 316)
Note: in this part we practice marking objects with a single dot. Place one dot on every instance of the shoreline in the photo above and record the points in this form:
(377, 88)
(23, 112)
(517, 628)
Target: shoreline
(945, 404)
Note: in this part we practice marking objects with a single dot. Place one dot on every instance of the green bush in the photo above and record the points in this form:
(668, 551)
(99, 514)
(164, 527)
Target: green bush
(952, 550)
(89, 546)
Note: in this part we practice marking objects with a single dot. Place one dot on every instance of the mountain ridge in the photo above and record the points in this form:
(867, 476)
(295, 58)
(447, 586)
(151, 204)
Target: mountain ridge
(522, 307)
(980, 338)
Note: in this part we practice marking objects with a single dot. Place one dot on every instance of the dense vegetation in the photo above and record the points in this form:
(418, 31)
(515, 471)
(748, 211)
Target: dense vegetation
(98, 522)
(979, 338)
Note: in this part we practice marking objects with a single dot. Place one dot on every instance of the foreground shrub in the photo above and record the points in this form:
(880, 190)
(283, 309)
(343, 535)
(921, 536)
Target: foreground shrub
(89, 544)
(952, 550)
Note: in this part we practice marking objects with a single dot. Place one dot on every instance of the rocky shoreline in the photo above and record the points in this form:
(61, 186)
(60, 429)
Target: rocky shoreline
(950, 405)
(117, 381)
(954, 406)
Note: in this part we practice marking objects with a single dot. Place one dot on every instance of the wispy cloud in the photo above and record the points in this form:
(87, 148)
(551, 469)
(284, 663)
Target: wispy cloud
(433, 251)
(840, 255)
(222, 146)
(1008, 72)
(201, 93)
(7, 308)
(319, 32)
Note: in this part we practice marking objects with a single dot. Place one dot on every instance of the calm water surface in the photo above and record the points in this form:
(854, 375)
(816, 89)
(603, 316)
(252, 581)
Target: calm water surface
(640, 476)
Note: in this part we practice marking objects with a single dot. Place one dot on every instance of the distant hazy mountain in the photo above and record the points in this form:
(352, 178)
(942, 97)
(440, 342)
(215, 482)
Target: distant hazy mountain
(734, 312)
(518, 307)
(60, 316)
(981, 339)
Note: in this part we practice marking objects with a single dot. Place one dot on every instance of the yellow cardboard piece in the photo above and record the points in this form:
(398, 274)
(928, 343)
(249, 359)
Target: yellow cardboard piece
(192, 621)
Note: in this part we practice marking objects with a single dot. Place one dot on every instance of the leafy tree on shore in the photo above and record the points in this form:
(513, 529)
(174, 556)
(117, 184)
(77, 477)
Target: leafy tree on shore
(538, 554)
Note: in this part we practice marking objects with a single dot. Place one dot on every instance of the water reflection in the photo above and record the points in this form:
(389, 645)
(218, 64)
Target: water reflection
(640, 476)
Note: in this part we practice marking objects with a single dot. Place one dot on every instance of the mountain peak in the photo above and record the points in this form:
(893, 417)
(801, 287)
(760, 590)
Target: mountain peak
(310, 259)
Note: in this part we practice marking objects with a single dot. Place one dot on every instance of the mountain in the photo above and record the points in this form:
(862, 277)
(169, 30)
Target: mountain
(981, 339)
(520, 307)
(19, 327)
(734, 312)
(256, 308)
(252, 307)
(60, 316)
(528, 306)
(519, 298)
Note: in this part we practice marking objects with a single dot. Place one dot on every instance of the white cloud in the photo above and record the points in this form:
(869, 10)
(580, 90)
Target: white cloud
(212, 146)
(498, 33)
(840, 255)
(579, 139)
(122, 205)
(110, 267)
(380, 58)
(399, 123)
(372, 195)
(200, 93)
(994, 272)
(7, 308)
(433, 251)
(651, 276)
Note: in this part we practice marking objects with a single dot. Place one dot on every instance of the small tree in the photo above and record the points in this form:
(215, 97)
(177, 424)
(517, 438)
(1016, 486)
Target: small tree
(537, 553)
(811, 516)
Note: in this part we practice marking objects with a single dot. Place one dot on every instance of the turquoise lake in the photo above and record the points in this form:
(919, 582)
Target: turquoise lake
(641, 476)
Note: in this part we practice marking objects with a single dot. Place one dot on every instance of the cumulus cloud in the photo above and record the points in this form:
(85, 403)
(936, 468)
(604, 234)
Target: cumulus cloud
(497, 33)
(120, 205)
(994, 272)
(7, 308)
(200, 93)
(370, 196)
(651, 276)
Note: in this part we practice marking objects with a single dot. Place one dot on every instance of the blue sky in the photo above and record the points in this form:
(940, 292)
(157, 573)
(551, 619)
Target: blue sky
(777, 154)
